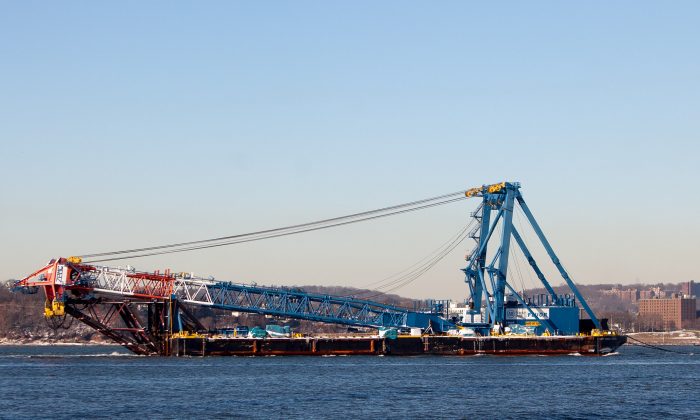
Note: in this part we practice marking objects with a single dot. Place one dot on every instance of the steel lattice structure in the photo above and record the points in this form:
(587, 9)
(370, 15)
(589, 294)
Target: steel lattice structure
(243, 297)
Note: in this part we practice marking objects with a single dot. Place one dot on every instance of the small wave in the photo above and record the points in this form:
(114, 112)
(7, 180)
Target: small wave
(47, 344)
(62, 344)
(611, 354)
(575, 354)
(113, 354)
(73, 356)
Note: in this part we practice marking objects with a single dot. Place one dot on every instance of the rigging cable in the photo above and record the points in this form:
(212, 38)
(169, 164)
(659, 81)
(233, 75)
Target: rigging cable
(426, 267)
(651, 346)
(419, 262)
(423, 268)
(522, 235)
(274, 233)
(285, 228)
(513, 256)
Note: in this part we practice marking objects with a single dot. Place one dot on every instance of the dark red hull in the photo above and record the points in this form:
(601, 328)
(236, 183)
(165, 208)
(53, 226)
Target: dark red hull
(402, 346)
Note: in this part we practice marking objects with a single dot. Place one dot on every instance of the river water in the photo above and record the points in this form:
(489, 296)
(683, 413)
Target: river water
(106, 381)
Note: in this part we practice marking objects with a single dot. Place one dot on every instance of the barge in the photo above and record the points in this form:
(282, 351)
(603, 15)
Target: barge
(400, 346)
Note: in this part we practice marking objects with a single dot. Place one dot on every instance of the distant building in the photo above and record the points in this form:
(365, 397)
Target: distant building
(690, 288)
(646, 294)
(629, 295)
(667, 313)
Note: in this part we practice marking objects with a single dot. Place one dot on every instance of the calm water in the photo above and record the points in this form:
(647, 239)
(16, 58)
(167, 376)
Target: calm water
(104, 381)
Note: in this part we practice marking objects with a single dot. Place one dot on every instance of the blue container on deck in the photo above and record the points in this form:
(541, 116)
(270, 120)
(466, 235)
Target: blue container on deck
(278, 331)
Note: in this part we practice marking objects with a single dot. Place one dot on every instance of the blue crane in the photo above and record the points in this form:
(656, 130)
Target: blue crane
(76, 287)
(488, 281)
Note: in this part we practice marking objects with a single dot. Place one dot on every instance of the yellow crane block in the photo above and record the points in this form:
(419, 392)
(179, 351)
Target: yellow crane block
(56, 308)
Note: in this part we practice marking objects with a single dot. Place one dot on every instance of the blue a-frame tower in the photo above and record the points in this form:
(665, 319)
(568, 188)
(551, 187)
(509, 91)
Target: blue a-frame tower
(488, 280)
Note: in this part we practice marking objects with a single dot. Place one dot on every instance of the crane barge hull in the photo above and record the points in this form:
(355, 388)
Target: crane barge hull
(400, 346)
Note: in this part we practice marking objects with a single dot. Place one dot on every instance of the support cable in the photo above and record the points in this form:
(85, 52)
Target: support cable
(425, 268)
(422, 260)
(523, 236)
(274, 233)
(420, 270)
(517, 269)
(286, 228)
(651, 346)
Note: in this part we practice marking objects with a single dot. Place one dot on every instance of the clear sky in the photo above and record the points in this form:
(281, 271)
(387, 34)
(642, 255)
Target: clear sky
(138, 123)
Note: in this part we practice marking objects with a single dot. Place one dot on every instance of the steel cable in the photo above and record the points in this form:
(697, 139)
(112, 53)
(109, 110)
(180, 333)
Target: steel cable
(421, 269)
(285, 228)
(274, 233)
(422, 260)
(411, 277)
(651, 346)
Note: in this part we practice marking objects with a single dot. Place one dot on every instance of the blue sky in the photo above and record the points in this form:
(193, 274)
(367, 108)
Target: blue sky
(133, 124)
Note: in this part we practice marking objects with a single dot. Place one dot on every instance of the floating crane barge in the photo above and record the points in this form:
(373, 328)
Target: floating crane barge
(150, 312)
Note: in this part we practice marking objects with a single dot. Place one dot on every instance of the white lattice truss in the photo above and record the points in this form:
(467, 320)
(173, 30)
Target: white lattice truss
(246, 298)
